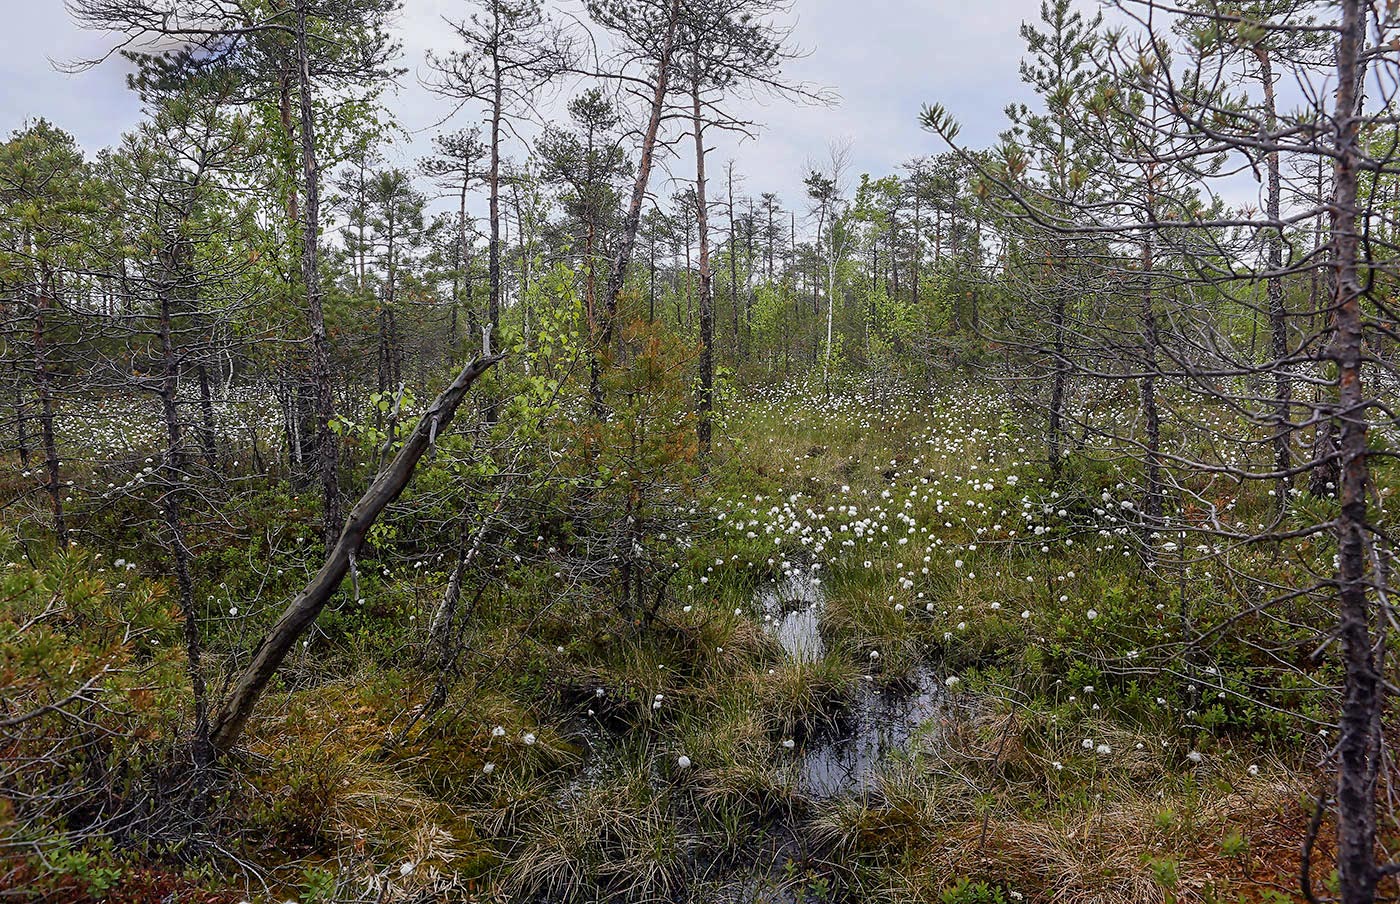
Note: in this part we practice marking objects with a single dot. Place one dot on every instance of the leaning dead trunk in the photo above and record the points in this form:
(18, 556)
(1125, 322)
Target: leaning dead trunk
(232, 713)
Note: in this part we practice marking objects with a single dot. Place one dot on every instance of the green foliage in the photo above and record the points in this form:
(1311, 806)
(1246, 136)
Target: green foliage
(966, 891)
(95, 697)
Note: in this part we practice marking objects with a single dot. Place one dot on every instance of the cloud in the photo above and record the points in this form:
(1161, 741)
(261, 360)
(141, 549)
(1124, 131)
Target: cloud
(885, 58)
(94, 106)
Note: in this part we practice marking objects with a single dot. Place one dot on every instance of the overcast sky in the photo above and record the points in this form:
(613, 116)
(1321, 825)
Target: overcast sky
(885, 58)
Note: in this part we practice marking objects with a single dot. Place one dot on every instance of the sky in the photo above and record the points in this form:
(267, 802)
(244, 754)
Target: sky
(884, 58)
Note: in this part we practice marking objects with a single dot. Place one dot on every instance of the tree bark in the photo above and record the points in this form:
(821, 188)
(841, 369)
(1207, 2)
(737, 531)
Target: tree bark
(628, 239)
(43, 385)
(327, 449)
(1278, 315)
(733, 269)
(1152, 422)
(706, 404)
(172, 510)
(1357, 751)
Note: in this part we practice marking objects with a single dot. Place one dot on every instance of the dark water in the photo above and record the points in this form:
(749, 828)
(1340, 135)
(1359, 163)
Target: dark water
(880, 721)
(792, 614)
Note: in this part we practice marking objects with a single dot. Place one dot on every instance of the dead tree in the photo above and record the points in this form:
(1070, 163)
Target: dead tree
(231, 714)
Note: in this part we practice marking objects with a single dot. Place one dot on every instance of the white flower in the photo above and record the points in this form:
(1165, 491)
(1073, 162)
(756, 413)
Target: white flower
(529, 739)
(874, 654)
(683, 761)
(1091, 614)
(1087, 744)
(1253, 770)
(488, 768)
(498, 732)
(1194, 756)
(406, 867)
(1103, 750)
(951, 681)
(789, 743)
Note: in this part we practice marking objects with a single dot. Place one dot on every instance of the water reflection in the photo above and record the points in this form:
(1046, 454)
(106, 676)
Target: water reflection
(879, 720)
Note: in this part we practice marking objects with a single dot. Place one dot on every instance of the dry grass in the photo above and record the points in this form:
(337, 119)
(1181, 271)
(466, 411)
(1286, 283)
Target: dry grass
(1103, 830)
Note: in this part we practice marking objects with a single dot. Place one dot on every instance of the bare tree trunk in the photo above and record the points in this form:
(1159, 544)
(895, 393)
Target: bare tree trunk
(493, 303)
(1357, 751)
(327, 450)
(830, 315)
(918, 249)
(646, 157)
(21, 425)
(44, 387)
(284, 109)
(234, 710)
(462, 258)
(1152, 423)
(171, 498)
(733, 266)
(439, 649)
(1325, 474)
(1278, 316)
(705, 407)
(590, 301)
(493, 267)
(208, 433)
(1055, 435)
(772, 239)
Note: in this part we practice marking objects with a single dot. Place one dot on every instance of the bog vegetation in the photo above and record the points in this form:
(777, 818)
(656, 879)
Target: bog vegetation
(1009, 527)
